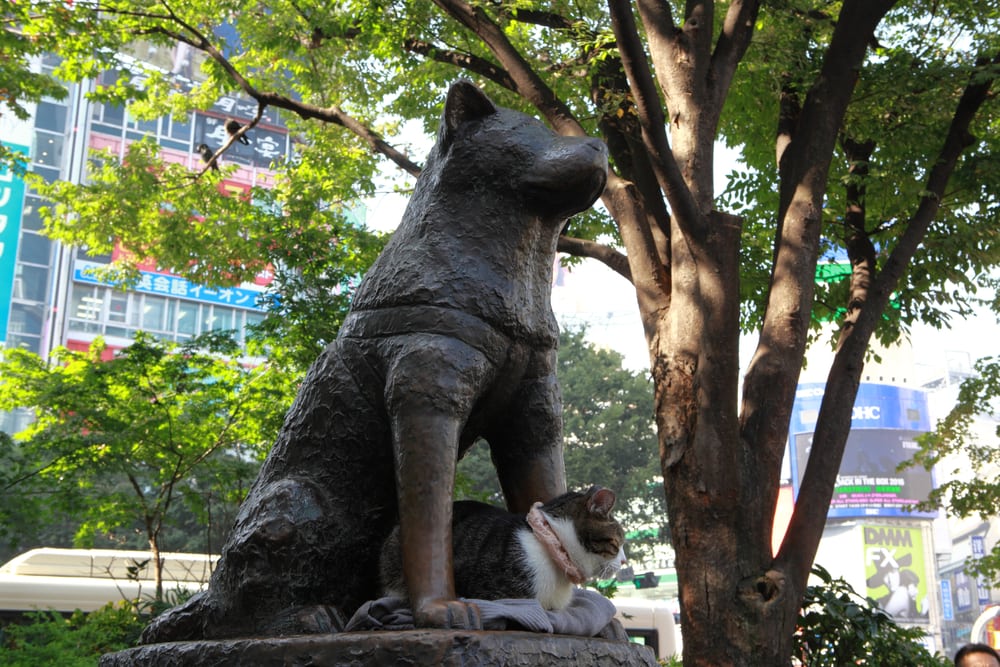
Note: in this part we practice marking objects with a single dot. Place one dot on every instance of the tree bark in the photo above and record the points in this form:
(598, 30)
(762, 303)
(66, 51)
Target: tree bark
(721, 472)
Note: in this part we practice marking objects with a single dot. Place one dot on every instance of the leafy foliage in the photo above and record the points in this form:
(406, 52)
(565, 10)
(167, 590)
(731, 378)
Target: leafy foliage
(379, 64)
(966, 441)
(78, 641)
(116, 443)
(838, 626)
(317, 249)
(907, 93)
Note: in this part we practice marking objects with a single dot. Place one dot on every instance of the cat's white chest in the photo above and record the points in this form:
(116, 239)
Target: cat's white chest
(552, 588)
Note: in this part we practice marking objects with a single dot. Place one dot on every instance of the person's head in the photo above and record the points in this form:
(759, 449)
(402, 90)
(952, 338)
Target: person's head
(977, 655)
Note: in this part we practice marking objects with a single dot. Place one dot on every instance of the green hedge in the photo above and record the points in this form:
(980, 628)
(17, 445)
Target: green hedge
(49, 638)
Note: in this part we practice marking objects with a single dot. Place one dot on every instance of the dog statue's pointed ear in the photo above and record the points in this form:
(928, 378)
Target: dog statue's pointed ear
(465, 102)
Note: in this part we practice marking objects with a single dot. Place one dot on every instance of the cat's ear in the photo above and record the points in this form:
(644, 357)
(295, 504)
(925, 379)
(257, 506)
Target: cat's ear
(601, 501)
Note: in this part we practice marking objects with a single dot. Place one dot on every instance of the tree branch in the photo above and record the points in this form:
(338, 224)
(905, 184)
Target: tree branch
(789, 110)
(619, 124)
(527, 83)
(737, 29)
(976, 92)
(806, 528)
(614, 260)
(652, 121)
(772, 376)
(466, 61)
(332, 114)
(860, 249)
(538, 17)
(233, 138)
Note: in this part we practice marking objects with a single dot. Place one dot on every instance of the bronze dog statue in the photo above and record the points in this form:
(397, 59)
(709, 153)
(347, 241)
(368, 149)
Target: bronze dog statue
(451, 337)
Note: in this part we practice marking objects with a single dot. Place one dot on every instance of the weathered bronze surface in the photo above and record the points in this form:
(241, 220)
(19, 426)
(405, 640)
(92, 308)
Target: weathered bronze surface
(451, 337)
(433, 648)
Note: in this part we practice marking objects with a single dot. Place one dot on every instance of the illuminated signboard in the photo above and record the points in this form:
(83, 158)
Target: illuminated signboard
(161, 284)
(884, 427)
(895, 571)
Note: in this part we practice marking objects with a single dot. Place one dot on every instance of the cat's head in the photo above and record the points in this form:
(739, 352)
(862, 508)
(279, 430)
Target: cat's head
(589, 533)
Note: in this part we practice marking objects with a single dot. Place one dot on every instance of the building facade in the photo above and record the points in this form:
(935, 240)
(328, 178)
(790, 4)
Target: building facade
(49, 297)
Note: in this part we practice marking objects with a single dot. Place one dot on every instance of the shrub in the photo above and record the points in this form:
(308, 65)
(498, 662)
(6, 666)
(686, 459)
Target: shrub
(50, 638)
(838, 626)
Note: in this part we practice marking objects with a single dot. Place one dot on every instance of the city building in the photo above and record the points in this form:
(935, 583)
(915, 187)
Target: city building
(911, 562)
(49, 297)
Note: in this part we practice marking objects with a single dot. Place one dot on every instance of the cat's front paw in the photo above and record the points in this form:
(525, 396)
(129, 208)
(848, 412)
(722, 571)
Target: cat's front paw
(448, 614)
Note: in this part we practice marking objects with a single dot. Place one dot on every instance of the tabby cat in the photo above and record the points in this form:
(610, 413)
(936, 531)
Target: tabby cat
(498, 554)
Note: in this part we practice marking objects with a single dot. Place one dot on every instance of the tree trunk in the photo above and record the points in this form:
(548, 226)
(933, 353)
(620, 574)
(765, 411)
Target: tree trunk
(154, 547)
(721, 462)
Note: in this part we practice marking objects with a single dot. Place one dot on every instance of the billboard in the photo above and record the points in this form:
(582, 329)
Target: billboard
(264, 147)
(245, 296)
(895, 571)
(977, 543)
(884, 428)
(11, 205)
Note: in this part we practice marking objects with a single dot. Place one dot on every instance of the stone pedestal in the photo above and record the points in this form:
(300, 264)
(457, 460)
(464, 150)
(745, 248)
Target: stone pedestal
(379, 649)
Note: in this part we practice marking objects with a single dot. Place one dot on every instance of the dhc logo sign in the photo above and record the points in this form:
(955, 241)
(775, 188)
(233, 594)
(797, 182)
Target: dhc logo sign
(866, 413)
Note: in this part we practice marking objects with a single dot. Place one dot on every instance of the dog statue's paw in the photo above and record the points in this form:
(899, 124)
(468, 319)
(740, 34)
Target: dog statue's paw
(448, 614)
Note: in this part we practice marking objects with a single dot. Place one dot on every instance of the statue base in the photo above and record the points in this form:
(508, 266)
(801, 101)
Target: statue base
(378, 648)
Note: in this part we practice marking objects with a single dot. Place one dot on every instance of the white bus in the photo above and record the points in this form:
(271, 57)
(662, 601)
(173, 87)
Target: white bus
(650, 622)
(65, 580)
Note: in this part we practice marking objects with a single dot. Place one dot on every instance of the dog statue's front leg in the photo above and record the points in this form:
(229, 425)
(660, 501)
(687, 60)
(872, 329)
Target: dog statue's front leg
(526, 445)
(426, 450)
(432, 385)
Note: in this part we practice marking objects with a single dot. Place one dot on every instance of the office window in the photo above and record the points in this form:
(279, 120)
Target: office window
(31, 218)
(110, 114)
(48, 149)
(85, 306)
(86, 255)
(253, 318)
(117, 306)
(49, 116)
(25, 319)
(224, 318)
(216, 318)
(180, 127)
(25, 341)
(86, 302)
(144, 126)
(50, 61)
(34, 249)
(187, 319)
(48, 174)
(154, 311)
(30, 282)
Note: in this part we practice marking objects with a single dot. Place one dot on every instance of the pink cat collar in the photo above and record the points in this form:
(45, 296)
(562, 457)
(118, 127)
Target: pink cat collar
(557, 552)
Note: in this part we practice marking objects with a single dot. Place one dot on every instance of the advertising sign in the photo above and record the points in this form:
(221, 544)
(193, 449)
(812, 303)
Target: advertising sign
(947, 606)
(264, 147)
(963, 592)
(896, 573)
(884, 427)
(160, 284)
(11, 205)
(978, 545)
